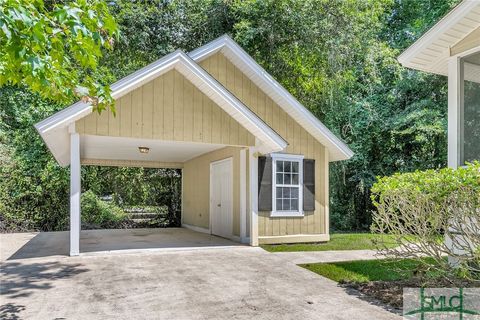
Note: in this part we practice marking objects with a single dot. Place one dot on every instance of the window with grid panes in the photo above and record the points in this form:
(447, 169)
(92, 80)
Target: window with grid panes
(287, 185)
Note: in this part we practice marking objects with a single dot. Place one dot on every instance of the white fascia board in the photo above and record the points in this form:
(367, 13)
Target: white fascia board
(447, 22)
(146, 74)
(64, 117)
(208, 49)
(81, 109)
(54, 129)
(58, 123)
(337, 148)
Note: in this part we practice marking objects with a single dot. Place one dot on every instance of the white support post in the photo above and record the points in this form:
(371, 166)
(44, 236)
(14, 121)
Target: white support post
(455, 130)
(74, 191)
(243, 195)
(253, 166)
(455, 112)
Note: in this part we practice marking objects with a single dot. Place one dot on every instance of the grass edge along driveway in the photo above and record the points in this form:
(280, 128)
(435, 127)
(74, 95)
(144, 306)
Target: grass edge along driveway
(365, 270)
(338, 241)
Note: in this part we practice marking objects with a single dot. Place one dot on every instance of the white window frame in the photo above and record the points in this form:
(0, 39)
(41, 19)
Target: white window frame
(455, 107)
(287, 157)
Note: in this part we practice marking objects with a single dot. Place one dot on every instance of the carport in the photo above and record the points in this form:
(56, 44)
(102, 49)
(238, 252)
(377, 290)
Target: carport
(171, 114)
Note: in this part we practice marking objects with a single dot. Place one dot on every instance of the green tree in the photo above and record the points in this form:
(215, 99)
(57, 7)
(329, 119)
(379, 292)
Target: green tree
(337, 57)
(33, 187)
(53, 49)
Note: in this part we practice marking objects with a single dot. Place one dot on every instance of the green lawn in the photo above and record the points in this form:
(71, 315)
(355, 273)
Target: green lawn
(364, 271)
(338, 241)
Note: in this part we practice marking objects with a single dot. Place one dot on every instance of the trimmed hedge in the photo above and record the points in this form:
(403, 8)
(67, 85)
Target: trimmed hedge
(439, 184)
(432, 213)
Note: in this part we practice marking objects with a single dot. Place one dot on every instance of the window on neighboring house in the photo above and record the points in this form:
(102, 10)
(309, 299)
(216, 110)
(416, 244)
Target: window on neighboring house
(470, 119)
(287, 185)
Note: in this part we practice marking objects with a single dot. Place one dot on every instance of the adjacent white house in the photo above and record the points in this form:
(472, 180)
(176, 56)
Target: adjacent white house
(452, 48)
(254, 161)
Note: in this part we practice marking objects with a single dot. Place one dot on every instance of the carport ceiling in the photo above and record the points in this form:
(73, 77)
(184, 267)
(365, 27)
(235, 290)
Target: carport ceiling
(121, 148)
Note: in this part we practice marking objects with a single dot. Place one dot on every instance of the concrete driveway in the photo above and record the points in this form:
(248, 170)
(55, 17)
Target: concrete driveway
(218, 282)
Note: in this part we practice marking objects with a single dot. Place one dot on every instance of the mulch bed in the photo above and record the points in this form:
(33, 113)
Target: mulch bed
(391, 292)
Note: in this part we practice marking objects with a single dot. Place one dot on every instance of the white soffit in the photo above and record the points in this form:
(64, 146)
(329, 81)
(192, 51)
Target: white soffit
(54, 130)
(120, 148)
(430, 53)
(338, 150)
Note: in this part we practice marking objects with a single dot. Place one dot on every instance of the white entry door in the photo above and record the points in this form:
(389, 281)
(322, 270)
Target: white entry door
(221, 198)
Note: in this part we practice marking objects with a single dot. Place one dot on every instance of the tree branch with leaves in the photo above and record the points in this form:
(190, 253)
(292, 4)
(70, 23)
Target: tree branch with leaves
(54, 50)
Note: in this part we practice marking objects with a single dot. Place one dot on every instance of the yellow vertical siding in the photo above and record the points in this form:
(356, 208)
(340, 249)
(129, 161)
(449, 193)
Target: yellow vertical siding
(158, 114)
(300, 142)
(196, 190)
(168, 85)
(147, 110)
(169, 107)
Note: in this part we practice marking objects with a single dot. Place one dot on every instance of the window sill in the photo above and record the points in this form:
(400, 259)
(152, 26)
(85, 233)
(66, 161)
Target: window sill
(285, 214)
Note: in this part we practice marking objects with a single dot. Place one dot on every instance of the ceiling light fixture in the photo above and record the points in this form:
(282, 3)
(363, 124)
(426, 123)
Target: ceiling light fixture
(143, 149)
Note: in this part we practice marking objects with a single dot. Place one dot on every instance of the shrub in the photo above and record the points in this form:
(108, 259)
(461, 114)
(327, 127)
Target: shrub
(97, 213)
(33, 192)
(434, 213)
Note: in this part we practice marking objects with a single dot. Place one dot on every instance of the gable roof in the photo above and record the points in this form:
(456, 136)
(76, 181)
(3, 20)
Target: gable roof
(54, 130)
(338, 150)
(430, 53)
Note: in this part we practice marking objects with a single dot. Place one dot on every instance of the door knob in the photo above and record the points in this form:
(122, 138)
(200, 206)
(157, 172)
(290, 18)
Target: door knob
(219, 205)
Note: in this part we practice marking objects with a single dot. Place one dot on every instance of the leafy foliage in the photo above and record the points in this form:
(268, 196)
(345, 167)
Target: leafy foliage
(422, 208)
(99, 213)
(337, 57)
(33, 188)
(438, 184)
(138, 187)
(54, 49)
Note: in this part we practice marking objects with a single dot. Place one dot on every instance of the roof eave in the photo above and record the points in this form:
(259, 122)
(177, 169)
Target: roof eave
(63, 118)
(225, 41)
(457, 13)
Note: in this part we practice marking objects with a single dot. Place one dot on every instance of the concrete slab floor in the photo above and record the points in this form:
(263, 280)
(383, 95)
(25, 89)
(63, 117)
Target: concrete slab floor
(46, 244)
(235, 282)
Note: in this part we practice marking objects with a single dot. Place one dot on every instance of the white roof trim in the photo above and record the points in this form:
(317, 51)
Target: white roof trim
(338, 150)
(56, 125)
(431, 51)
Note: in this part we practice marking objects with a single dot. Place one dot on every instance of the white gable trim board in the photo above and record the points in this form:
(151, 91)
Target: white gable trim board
(54, 129)
(338, 150)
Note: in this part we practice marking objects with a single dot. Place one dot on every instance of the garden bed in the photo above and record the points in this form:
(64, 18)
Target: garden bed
(391, 292)
(383, 280)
